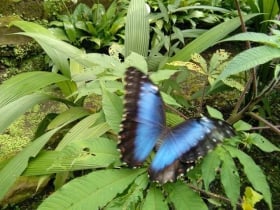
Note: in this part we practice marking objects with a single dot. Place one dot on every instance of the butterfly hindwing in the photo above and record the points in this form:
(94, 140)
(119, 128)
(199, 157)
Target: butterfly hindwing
(143, 119)
(184, 144)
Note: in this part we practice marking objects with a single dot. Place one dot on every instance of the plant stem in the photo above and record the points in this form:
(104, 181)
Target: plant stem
(252, 76)
(271, 126)
(250, 105)
(263, 127)
(210, 194)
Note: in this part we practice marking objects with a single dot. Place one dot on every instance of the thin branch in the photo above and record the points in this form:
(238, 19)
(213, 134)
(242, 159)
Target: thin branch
(210, 194)
(242, 96)
(250, 105)
(243, 27)
(202, 97)
(257, 117)
(252, 77)
(263, 127)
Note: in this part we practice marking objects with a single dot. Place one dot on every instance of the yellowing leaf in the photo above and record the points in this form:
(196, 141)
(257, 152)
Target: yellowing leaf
(178, 63)
(217, 59)
(195, 67)
(189, 65)
(250, 198)
(197, 58)
(234, 83)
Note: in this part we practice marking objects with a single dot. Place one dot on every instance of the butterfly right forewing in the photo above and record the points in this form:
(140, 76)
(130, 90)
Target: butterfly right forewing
(184, 144)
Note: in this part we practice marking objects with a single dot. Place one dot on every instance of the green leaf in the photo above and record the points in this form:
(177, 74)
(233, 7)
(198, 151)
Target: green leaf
(214, 113)
(92, 191)
(155, 200)
(270, 8)
(254, 6)
(26, 83)
(210, 164)
(15, 109)
(208, 39)
(200, 7)
(169, 99)
(112, 107)
(161, 75)
(173, 119)
(230, 177)
(248, 59)
(254, 37)
(70, 30)
(137, 28)
(70, 115)
(253, 173)
(133, 197)
(184, 198)
(14, 168)
(43, 125)
(51, 45)
(85, 129)
(60, 51)
(178, 34)
(262, 143)
(136, 60)
(85, 154)
(241, 125)
(99, 61)
(68, 88)
(33, 27)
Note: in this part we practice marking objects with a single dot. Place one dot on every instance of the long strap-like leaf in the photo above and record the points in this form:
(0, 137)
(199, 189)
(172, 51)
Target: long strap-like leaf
(207, 39)
(137, 29)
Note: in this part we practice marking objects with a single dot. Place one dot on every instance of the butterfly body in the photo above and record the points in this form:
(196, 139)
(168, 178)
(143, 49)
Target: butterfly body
(143, 126)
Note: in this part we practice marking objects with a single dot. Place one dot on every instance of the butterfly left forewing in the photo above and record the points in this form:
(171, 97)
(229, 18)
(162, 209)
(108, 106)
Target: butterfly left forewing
(143, 118)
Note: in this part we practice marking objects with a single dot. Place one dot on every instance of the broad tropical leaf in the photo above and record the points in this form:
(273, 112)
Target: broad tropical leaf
(208, 39)
(25, 84)
(155, 200)
(137, 29)
(85, 129)
(70, 115)
(15, 109)
(255, 37)
(133, 197)
(248, 59)
(92, 191)
(229, 177)
(210, 164)
(161, 75)
(85, 154)
(253, 173)
(60, 51)
(262, 143)
(184, 198)
(112, 108)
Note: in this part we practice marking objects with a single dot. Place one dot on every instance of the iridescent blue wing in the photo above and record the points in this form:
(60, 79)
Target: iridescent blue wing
(184, 144)
(143, 118)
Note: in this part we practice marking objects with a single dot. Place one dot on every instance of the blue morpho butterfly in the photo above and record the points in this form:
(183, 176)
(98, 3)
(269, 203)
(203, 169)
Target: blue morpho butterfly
(144, 125)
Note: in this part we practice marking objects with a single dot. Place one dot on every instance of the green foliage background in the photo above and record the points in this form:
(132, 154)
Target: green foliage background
(88, 137)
